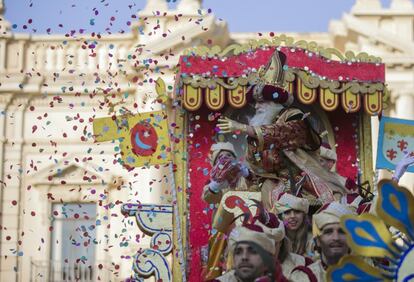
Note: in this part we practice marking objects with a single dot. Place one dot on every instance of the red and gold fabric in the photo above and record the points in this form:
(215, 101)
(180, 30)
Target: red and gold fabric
(265, 152)
(281, 145)
(235, 66)
(217, 81)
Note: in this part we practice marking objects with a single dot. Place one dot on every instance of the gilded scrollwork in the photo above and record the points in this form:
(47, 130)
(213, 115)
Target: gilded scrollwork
(283, 40)
(289, 75)
(310, 81)
(152, 262)
(209, 82)
(155, 221)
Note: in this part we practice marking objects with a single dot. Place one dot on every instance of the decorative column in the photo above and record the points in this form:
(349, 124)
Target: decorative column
(404, 104)
(10, 202)
(4, 35)
(4, 103)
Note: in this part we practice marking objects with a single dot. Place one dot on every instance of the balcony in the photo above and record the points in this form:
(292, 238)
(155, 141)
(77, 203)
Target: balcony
(57, 271)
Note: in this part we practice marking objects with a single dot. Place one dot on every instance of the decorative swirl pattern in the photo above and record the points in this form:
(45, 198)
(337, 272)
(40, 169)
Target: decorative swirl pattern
(212, 83)
(397, 208)
(353, 268)
(162, 242)
(152, 262)
(156, 221)
(368, 235)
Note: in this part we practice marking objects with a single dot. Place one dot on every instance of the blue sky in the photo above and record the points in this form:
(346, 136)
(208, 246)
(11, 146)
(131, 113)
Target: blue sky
(62, 16)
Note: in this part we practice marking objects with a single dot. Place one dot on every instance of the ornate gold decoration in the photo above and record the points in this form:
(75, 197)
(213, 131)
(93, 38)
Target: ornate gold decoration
(155, 221)
(208, 82)
(310, 81)
(215, 98)
(336, 86)
(192, 97)
(351, 102)
(283, 40)
(237, 97)
(328, 100)
(331, 92)
(306, 95)
(180, 118)
(373, 103)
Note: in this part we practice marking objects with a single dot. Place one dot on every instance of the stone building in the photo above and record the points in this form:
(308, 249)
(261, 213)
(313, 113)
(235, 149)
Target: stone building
(53, 176)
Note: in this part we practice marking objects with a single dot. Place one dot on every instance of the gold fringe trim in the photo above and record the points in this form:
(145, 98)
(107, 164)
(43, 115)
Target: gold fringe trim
(309, 81)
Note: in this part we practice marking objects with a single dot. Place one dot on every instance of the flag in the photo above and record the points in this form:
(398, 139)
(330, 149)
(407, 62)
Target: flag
(143, 138)
(395, 140)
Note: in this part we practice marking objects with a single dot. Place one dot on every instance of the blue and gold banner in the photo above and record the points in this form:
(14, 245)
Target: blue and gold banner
(395, 140)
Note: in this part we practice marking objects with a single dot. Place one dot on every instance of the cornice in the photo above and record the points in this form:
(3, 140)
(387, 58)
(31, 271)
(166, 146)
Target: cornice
(60, 38)
(383, 13)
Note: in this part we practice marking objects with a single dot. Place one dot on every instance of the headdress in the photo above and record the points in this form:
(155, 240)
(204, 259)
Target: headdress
(287, 202)
(265, 233)
(328, 214)
(216, 148)
(271, 81)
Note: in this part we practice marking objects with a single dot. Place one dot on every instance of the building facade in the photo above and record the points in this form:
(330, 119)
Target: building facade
(55, 178)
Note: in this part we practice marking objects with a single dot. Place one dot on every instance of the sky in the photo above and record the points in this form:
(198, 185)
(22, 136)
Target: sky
(115, 16)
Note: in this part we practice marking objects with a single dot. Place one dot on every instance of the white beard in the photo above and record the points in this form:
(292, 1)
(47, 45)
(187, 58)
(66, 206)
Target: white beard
(266, 114)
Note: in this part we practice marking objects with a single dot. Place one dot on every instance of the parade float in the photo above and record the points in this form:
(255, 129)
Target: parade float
(341, 92)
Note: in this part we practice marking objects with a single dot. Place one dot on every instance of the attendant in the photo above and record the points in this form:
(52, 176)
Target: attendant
(294, 213)
(330, 241)
(226, 174)
(285, 260)
(328, 159)
(252, 248)
(288, 260)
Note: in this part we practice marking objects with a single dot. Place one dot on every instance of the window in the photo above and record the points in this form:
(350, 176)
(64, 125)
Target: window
(73, 241)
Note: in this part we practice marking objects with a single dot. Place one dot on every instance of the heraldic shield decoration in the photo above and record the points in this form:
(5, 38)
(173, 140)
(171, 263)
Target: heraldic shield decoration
(382, 242)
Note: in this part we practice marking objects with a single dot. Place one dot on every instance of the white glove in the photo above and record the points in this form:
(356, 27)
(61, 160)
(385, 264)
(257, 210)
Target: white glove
(216, 187)
(244, 170)
(402, 166)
